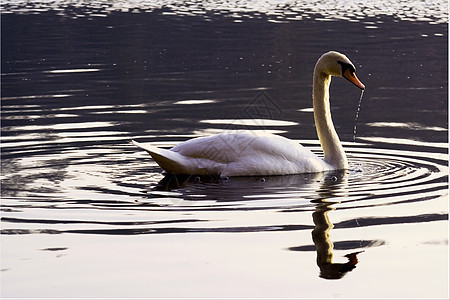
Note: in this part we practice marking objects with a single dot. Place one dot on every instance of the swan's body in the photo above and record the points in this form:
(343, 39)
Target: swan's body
(248, 153)
(242, 153)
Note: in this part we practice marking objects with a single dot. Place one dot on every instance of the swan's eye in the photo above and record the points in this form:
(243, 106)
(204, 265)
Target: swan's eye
(346, 66)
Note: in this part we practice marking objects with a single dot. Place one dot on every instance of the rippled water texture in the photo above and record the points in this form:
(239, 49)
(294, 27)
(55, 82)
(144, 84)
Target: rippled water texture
(86, 214)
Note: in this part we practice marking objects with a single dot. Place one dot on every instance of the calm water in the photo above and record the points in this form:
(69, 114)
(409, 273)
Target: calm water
(86, 214)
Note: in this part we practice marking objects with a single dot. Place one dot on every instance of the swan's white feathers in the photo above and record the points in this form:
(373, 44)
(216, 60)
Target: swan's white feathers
(171, 161)
(240, 153)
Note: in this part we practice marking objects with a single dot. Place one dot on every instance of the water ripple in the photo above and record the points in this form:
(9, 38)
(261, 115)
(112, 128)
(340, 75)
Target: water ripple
(275, 11)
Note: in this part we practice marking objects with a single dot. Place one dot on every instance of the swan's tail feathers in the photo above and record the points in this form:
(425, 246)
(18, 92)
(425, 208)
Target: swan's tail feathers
(170, 161)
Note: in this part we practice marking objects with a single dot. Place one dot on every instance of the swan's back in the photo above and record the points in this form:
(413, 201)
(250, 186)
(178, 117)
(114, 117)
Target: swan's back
(242, 153)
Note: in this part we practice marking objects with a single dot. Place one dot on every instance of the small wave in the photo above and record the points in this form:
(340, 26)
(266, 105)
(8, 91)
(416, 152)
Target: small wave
(274, 11)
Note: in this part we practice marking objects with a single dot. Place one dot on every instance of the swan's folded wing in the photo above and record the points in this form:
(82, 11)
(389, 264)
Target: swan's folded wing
(223, 148)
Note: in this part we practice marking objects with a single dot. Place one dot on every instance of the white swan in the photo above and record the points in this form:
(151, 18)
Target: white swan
(248, 153)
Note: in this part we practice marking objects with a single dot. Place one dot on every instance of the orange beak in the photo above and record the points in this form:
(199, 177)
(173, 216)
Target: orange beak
(351, 76)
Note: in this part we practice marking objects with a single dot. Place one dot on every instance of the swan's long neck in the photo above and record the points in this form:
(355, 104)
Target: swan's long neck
(329, 140)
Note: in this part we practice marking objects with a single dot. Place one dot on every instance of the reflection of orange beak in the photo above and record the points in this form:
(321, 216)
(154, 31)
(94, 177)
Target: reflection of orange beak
(351, 76)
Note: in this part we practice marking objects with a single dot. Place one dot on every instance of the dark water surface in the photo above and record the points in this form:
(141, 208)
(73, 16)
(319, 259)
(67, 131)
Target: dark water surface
(86, 214)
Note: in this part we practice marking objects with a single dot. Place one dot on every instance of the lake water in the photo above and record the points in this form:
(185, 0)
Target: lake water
(87, 214)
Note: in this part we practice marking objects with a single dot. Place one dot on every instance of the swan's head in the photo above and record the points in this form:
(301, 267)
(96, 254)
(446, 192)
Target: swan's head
(337, 64)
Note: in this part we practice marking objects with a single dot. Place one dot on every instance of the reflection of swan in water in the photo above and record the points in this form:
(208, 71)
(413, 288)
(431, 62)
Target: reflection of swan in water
(250, 153)
(326, 184)
(321, 235)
